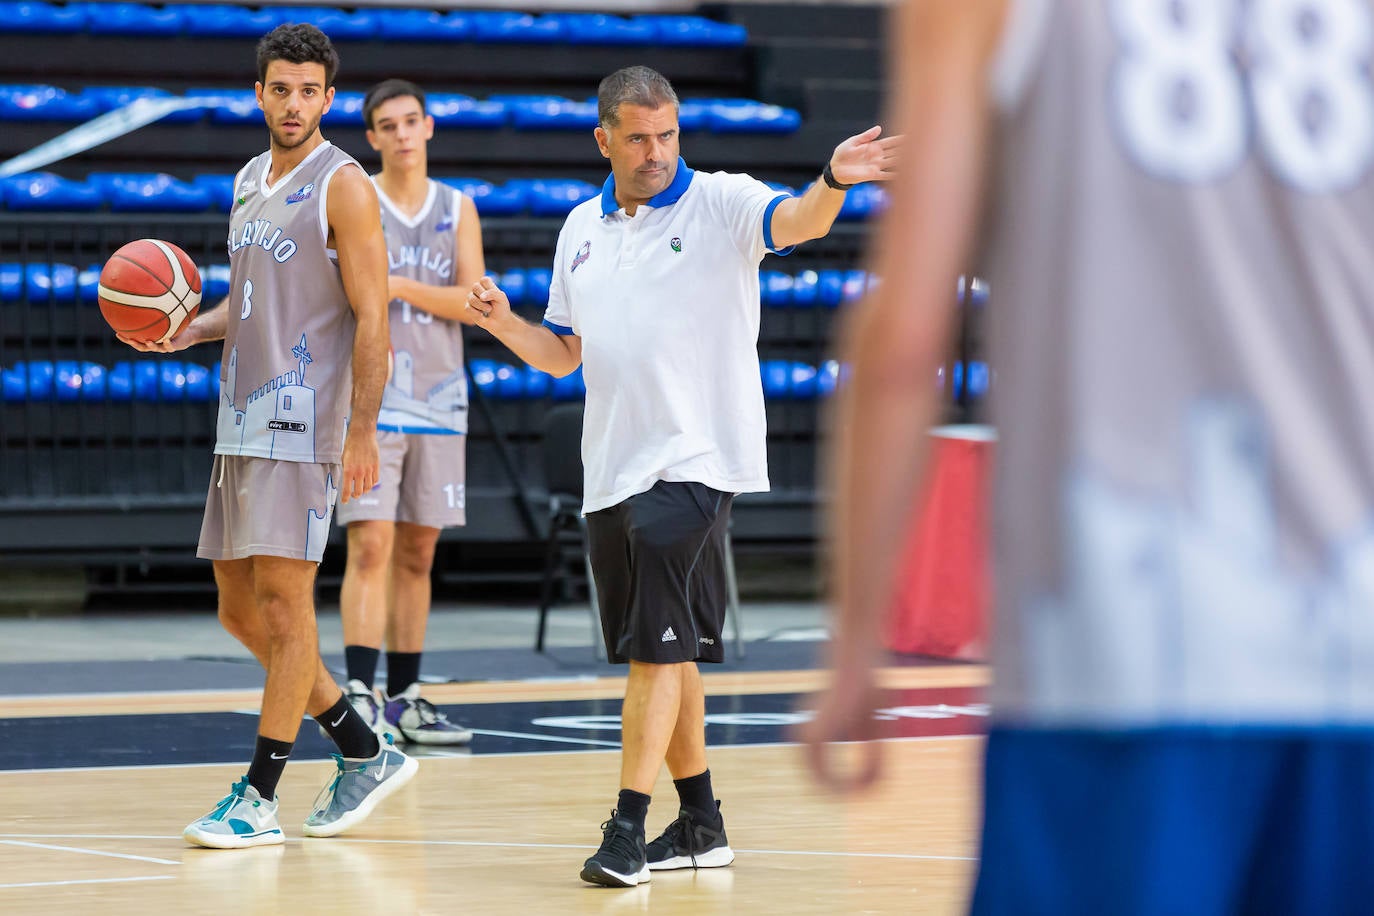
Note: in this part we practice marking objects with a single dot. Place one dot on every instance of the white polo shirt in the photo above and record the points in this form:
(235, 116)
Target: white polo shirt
(666, 303)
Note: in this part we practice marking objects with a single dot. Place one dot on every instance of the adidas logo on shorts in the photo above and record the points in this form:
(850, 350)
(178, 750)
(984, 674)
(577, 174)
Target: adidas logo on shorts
(669, 635)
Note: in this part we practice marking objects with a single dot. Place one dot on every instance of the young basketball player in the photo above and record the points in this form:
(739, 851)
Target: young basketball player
(655, 288)
(305, 358)
(1179, 248)
(434, 245)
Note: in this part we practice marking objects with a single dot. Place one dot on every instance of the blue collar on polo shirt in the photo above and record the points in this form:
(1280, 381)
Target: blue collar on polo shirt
(668, 195)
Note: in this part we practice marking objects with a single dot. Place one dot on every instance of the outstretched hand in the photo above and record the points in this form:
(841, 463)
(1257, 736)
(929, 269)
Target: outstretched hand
(865, 157)
(187, 336)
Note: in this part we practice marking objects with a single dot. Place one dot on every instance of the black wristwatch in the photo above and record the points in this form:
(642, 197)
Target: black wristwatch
(828, 177)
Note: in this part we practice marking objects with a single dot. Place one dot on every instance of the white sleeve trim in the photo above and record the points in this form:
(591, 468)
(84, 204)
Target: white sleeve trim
(1022, 42)
(330, 253)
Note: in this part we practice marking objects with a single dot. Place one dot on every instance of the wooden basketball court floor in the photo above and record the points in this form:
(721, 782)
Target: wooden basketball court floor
(478, 832)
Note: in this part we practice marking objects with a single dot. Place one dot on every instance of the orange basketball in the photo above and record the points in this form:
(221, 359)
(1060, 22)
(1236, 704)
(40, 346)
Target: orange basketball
(148, 290)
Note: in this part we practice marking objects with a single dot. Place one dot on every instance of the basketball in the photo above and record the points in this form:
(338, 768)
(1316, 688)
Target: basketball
(148, 290)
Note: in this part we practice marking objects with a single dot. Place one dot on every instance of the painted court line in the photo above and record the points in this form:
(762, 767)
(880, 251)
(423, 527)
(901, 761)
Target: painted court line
(88, 852)
(754, 852)
(554, 738)
(87, 881)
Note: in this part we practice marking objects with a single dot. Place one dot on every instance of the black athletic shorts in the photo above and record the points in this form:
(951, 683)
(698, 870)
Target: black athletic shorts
(659, 563)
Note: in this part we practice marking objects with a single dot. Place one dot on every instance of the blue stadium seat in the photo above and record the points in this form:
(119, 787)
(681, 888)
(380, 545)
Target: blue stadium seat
(497, 380)
(694, 31)
(537, 282)
(854, 286)
(41, 17)
(346, 110)
(132, 19)
(775, 288)
(137, 192)
(743, 116)
(830, 287)
(691, 115)
(88, 285)
(45, 191)
(11, 282)
(570, 387)
(219, 188)
(78, 381)
(806, 289)
(538, 384)
(785, 379)
(50, 283)
(108, 98)
(828, 378)
(514, 284)
(548, 113)
(601, 29)
(554, 196)
(337, 24)
(502, 27)
(457, 110)
(227, 21)
(43, 103)
(863, 201)
(422, 25)
(214, 283)
(38, 374)
(198, 383)
(14, 385)
(231, 106)
(490, 199)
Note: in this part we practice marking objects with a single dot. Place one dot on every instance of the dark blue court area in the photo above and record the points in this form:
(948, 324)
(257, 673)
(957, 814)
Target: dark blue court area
(501, 728)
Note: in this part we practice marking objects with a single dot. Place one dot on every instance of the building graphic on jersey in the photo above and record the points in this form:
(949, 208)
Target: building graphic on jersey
(440, 406)
(280, 411)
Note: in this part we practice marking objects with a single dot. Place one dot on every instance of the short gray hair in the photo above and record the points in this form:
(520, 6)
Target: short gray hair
(635, 85)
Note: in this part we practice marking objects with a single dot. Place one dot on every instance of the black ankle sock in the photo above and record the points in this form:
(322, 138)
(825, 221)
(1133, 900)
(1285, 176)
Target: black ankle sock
(402, 670)
(696, 796)
(269, 759)
(348, 730)
(361, 663)
(633, 806)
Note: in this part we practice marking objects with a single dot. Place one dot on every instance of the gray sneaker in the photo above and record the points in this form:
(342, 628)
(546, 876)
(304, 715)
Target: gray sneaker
(357, 788)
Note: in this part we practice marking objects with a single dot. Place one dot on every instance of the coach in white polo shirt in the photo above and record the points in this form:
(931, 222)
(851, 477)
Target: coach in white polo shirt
(656, 294)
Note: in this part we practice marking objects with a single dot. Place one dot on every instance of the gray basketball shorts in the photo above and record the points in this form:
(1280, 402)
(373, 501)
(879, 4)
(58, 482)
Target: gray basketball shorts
(422, 481)
(659, 563)
(264, 506)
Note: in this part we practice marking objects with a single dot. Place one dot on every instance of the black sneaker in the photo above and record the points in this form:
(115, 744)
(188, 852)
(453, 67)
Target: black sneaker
(690, 844)
(620, 860)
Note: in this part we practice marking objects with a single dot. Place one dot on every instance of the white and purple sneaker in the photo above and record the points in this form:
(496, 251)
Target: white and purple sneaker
(410, 717)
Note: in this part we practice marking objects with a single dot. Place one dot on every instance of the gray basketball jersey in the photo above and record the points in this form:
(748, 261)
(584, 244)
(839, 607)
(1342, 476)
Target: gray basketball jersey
(1182, 269)
(428, 391)
(286, 380)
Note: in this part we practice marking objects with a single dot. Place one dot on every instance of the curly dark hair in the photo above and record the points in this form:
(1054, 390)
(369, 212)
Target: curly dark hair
(387, 90)
(298, 43)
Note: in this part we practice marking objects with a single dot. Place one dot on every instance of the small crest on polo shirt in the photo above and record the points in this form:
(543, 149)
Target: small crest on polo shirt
(582, 255)
(675, 243)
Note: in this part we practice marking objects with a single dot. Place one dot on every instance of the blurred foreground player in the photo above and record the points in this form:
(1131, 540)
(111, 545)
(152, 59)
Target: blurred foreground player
(1180, 244)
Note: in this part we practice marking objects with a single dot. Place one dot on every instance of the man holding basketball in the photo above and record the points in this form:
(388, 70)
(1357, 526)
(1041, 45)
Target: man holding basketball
(656, 293)
(434, 249)
(306, 342)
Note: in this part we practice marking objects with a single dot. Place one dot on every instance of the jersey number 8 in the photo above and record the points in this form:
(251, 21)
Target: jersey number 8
(1184, 97)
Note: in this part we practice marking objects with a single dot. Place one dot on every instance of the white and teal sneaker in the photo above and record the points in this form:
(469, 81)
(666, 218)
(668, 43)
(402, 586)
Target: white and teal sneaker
(357, 788)
(243, 818)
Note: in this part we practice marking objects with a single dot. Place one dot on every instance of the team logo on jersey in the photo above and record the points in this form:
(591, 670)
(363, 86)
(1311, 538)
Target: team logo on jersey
(445, 223)
(583, 254)
(303, 194)
(675, 243)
